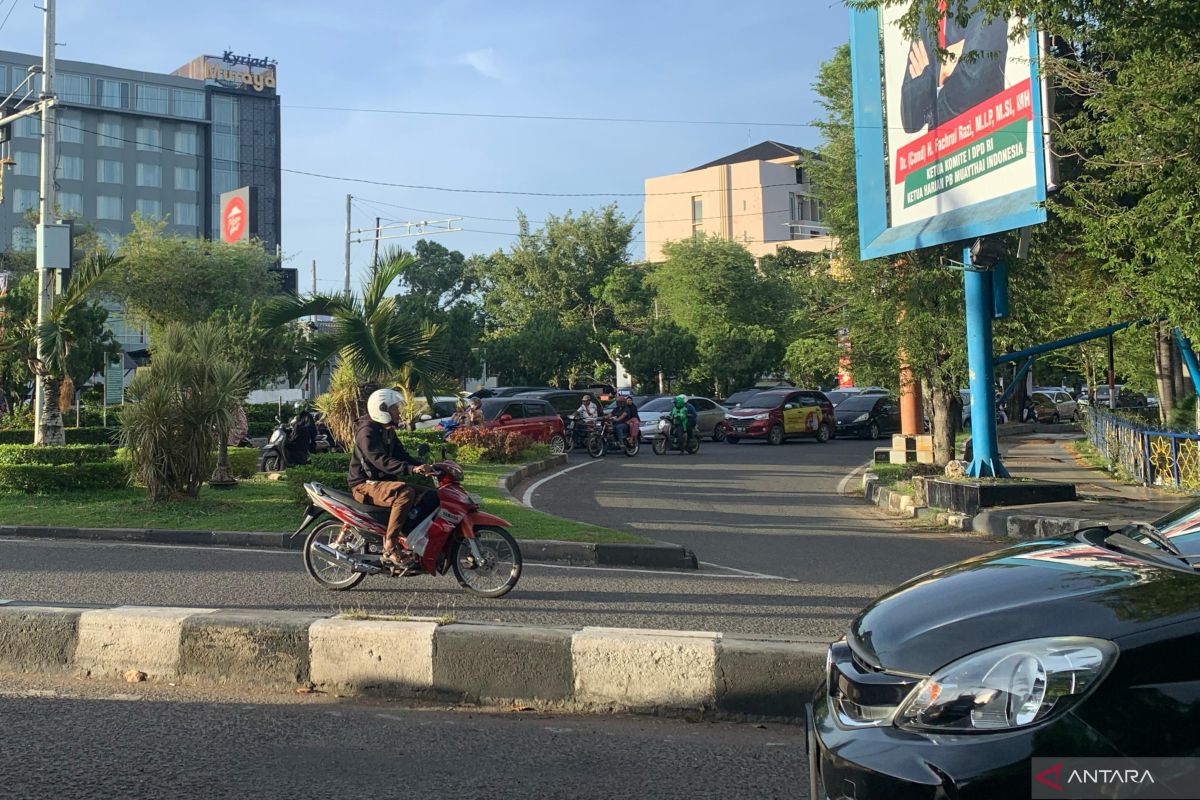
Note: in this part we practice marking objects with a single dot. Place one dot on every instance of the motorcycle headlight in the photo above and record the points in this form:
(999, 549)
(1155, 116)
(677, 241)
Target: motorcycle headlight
(1009, 686)
(277, 437)
(862, 418)
(762, 416)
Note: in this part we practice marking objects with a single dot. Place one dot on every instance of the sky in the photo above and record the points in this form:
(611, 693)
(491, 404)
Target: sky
(751, 63)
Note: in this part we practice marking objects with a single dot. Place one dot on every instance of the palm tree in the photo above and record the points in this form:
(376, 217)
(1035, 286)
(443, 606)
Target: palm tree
(53, 340)
(373, 342)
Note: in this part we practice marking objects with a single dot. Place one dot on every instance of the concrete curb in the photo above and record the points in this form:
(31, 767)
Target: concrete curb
(578, 669)
(657, 556)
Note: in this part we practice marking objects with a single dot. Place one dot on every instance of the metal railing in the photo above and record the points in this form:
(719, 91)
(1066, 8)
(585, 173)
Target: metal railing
(1153, 458)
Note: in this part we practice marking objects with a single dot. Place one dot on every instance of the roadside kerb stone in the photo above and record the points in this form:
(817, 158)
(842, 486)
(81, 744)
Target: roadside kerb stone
(265, 648)
(767, 677)
(37, 638)
(507, 482)
(378, 657)
(633, 669)
(113, 641)
(1029, 526)
(503, 663)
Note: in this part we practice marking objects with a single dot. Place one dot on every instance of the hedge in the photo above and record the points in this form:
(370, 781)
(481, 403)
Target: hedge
(243, 461)
(53, 479)
(74, 436)
(255, 430)
(54, 454)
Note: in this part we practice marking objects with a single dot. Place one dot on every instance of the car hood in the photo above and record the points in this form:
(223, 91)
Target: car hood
(847, 416)
(1058, 587)
(745, 413)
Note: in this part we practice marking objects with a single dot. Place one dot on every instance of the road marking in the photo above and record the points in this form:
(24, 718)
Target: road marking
(659, 573)
(841, 488)
(746, 572)
(527, 498)
(159, 545)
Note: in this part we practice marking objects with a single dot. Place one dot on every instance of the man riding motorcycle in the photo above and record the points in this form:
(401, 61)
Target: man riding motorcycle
(376, 464)
(624, 417)
(683, 419)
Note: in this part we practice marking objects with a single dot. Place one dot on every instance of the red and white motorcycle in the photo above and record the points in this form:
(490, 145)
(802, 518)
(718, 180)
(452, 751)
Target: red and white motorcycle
(444, 530)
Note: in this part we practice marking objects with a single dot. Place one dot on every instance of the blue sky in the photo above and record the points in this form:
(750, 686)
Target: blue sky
(704, 59)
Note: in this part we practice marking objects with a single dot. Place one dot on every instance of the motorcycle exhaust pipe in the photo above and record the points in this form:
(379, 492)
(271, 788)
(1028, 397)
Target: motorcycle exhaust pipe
(354, 564)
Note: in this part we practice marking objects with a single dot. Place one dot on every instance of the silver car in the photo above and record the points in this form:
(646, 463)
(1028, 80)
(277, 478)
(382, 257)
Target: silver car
(709, 416)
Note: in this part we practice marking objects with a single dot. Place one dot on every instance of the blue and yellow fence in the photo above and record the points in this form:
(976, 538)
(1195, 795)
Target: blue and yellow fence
(1153, 458)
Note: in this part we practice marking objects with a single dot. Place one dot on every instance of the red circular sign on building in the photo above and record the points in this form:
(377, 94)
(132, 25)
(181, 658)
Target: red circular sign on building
(234, 220)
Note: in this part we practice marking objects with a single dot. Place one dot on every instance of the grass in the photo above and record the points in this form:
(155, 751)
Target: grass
(258, 504)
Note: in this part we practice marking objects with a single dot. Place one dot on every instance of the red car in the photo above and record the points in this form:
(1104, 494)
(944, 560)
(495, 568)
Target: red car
(533, 418)
(780, 414)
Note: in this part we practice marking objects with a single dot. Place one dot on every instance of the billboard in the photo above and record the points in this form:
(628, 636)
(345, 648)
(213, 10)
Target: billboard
(236, 215)
(948, 148)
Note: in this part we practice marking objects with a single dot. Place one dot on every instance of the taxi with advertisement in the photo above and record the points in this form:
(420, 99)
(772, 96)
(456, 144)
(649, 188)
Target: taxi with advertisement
(781, 414)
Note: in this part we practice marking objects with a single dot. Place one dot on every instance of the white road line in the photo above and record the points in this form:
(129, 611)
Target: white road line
(527, 498)
(746, 572)
(841, 488)
(659, 573)
(160, 545)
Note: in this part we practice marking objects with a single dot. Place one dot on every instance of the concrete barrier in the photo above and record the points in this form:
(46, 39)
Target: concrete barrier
(588, 669)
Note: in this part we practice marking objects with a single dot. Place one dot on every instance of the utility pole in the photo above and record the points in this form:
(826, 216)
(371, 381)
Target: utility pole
(347, 286)
(378, 233)
(314, 276)
(45, 276)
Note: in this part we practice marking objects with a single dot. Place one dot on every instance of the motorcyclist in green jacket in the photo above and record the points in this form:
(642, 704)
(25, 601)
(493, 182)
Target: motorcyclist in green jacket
(683, 419)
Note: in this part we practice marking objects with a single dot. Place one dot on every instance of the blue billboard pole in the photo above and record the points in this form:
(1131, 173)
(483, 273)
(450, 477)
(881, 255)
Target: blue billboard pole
(977, 283)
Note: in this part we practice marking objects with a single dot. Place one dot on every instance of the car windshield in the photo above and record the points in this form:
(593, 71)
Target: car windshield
(837, 397)
(859, 403)
(765, 400)
(740, 397)
(660, 404)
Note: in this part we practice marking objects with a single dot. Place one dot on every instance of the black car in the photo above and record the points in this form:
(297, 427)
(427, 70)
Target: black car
(867, 415)
(737, 398)
(948, 686)
(564, 401)
(506, 391)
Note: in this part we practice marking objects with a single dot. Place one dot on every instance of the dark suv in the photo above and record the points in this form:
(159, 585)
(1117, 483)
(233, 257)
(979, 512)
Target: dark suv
(780, 414)
(565, 402)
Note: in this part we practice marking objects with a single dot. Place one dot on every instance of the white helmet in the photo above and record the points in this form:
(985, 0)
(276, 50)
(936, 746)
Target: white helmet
(380, 404)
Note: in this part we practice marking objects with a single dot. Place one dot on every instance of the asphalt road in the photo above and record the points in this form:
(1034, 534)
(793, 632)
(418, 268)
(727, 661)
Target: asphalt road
(79, 740)
(750, 506)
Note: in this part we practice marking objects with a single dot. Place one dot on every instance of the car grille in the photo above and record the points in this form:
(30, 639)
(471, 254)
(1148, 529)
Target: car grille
(740, 424)
(860, 695)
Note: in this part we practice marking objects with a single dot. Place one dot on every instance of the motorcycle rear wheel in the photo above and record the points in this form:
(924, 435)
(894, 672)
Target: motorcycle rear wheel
(333, 575)
(501, 569)
(632, 446)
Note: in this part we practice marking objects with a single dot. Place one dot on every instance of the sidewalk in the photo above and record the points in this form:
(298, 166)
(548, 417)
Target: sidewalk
(1101, 498)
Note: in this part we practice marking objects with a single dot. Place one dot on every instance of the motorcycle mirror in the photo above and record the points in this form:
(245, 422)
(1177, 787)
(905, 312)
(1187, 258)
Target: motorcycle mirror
(423, 450)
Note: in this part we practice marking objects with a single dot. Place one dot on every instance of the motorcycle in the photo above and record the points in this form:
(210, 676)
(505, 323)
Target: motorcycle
(586, 434)
(444, 530)
(604, 439)
(284, 448)
(667, 437)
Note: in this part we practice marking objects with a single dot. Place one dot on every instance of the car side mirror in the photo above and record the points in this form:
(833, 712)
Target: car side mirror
(425, 417)
(506, 417)
(423, 450)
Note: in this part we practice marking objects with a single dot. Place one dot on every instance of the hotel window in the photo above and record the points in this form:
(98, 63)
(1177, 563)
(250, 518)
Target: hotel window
(186, 214)
(801, 175)
(70, 127)
(149, 208)
(185, 179)
(186, 103)
(27, 128)
(73, 88)
(23, 238)
(149, 175)
(25, 200)
(697, 215)
(148, 137)
(151, 99)
(70, 168)
(3, 78)
(27, 163)
(108, 207)
(110, 171)
(110, 133)
(112, 94)
(187, 143)
(70, 204)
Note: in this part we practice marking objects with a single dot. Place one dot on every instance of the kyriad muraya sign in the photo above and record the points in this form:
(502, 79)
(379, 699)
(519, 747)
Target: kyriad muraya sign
(236, 218)
(960, 137)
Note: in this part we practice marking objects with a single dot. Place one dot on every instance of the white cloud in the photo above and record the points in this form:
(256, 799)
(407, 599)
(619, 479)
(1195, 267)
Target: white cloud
(484, 62)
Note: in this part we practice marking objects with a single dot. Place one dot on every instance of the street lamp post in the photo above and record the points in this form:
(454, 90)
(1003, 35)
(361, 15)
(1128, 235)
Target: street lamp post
(43, 406)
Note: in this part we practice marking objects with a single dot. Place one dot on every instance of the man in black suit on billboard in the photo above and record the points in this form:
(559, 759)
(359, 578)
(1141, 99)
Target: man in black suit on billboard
(934, 93)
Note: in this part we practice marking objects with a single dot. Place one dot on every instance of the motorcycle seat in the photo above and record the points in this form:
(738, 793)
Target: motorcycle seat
(379, 513)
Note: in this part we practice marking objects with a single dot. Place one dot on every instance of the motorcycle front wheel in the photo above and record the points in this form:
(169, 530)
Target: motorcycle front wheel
(329, 572)
(660, 445)
(500, 568)
(596, 446)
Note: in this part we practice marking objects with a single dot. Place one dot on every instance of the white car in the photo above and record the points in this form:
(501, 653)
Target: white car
(443, 409)
(1067, 407)
(709, 416)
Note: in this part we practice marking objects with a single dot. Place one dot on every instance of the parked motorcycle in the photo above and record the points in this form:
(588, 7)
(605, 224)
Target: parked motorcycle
(667, 437)
(444, 530)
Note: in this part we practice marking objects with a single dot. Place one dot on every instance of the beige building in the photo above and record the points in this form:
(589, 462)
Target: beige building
(761, 197)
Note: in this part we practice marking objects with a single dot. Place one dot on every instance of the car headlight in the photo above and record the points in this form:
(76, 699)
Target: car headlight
(762, 416)
(862, 418)
(1010, 686)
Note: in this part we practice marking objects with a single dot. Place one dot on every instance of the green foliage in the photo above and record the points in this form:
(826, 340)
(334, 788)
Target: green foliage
(329, 462)
(264, 353)
(53, 479)
(165, 278)
(54, 454)
(472, 454)
(492, 444)
(243, 461)
(106, 436)
(297, 476)
(663, 347)
(179, 407)
(541, 351)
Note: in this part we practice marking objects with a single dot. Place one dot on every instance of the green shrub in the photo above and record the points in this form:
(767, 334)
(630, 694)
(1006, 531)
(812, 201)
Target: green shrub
(471, 454)
(74, 436)
(265, 413)
(243, 461)
(330, 461)
(255, 430)
(55, 454)
(53, 479)
(298, 476)
(535, 452)
(499, 446)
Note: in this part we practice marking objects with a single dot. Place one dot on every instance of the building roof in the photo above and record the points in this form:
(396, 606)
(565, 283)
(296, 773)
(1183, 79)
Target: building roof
(763, 151)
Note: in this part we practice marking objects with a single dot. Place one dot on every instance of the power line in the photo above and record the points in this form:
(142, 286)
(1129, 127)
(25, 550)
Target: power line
(9, 14)
(550, 117)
